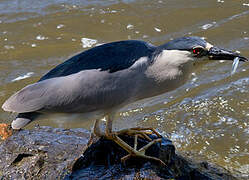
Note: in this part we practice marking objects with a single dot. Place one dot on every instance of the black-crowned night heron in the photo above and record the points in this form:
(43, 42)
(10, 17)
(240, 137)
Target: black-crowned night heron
(110, 76)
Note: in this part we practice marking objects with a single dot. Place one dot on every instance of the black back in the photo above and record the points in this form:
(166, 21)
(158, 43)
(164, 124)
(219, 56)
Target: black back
(184, 43)
(110, 57)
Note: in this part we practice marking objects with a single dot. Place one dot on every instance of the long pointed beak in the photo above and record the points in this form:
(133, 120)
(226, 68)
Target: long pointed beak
(216, 53)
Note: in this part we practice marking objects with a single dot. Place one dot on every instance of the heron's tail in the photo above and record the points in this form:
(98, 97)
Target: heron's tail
(19, 123)
(23, 119)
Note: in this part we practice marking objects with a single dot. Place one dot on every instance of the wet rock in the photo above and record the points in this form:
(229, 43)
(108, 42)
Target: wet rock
(102, 161)
(55, 153)
(42, 153)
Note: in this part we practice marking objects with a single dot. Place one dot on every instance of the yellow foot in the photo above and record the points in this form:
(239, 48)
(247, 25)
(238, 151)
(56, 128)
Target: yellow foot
(141, 152)
(141, 132)
(5, 131)
(137, 132)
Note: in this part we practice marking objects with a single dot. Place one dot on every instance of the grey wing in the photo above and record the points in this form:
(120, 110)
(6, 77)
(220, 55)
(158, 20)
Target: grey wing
(34, 97)
(51, 93)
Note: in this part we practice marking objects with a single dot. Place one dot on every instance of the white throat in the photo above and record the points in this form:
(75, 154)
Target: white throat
(170, 64)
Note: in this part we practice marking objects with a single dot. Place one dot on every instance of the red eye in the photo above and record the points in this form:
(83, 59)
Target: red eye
(197, 50)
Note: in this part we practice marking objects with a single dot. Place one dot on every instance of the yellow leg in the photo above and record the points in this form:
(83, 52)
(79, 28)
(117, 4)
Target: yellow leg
(95, 131)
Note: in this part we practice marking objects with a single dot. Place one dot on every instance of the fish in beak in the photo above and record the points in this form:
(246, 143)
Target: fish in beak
(216, 53)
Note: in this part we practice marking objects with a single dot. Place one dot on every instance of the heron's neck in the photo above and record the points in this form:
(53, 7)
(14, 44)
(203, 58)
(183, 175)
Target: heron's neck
(169, 65)
(165, 74)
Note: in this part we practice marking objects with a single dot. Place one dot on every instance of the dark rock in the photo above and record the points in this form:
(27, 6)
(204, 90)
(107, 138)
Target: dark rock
(102, 161)
(54, 153)
(42, 153)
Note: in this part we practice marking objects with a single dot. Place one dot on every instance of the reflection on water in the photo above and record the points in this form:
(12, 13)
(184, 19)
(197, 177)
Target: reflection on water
(208, 116)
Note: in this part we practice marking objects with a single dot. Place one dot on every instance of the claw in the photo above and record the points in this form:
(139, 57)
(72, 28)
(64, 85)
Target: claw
(146, 136)
(143, 149)
(125, 158)
(135, 142)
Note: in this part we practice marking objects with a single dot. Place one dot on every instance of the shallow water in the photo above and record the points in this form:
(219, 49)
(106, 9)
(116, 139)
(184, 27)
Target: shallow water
(208, 116)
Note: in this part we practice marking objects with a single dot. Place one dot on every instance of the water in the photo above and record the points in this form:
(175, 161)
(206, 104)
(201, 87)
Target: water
(208, 116)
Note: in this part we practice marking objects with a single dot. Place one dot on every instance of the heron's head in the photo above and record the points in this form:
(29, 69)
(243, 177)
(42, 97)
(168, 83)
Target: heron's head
(177, 57)
(194, 48)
